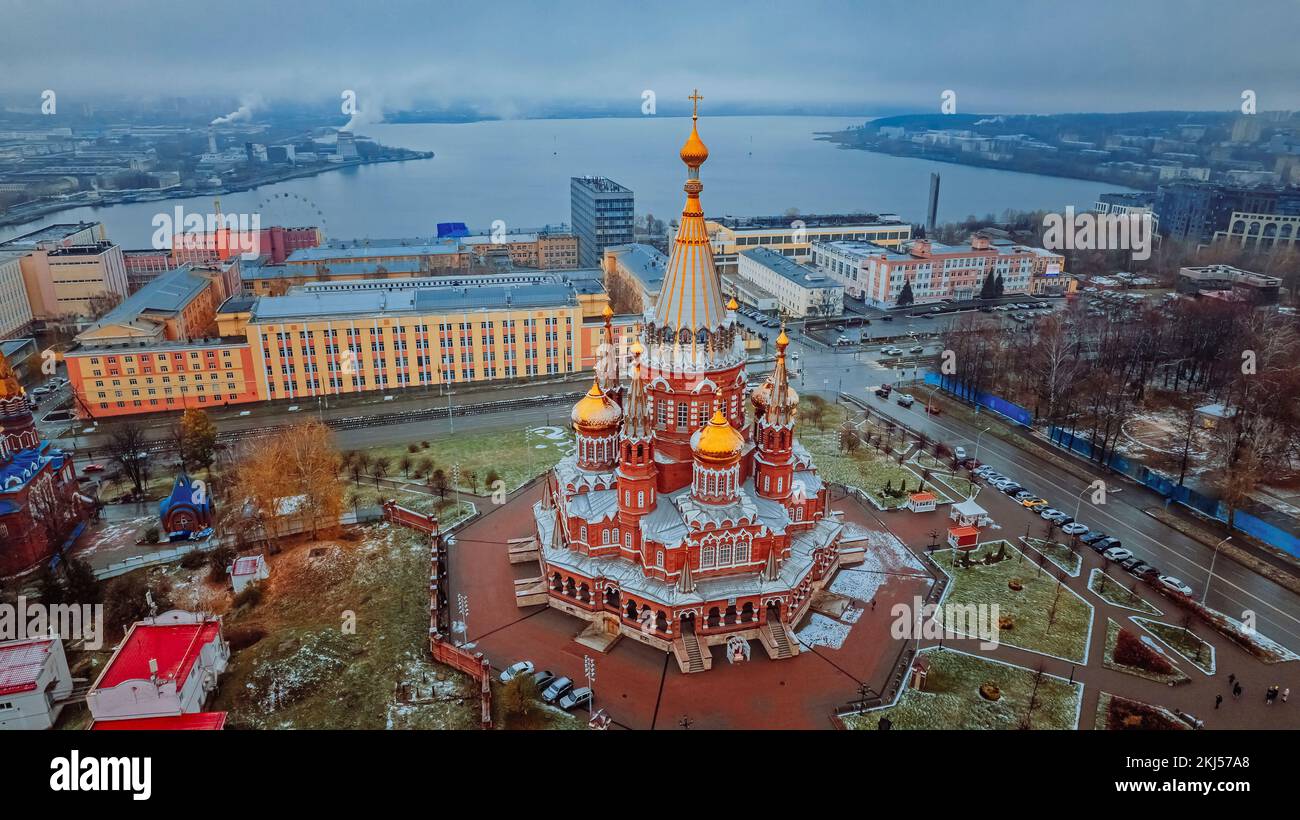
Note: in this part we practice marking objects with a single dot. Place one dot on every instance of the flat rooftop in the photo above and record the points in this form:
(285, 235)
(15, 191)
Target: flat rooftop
(308, 255)
(316, 304)
(800, 275)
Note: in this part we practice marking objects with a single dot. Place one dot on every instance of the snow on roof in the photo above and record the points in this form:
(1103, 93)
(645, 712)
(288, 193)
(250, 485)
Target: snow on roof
(248, 565)
(968, 507)
(21, 663)
(209, 721)
(173, 646)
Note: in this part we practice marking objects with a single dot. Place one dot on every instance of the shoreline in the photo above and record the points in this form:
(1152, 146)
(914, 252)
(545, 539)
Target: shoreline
(52, 208)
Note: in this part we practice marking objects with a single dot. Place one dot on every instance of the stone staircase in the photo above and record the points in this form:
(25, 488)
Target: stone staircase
(691, 657)
(777, 641)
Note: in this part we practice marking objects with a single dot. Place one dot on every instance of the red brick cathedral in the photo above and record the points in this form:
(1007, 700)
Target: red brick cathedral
(676, 521)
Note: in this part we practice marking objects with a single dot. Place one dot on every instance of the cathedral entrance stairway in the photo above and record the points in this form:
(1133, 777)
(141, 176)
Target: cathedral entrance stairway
(777, 641)
(691, 657)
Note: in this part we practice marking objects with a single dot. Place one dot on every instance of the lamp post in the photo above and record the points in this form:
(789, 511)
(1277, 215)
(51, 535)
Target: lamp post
(589, 669)
(1079, 505)
(977, 439)
(462, 606)
(1210, 577)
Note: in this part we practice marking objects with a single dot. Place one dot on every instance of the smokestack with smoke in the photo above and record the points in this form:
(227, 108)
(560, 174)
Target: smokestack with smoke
(243, 113)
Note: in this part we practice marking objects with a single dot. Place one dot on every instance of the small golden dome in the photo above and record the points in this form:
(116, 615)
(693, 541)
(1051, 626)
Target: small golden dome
(732, 304)
(595, 412)
(9, 386)
(607, 312)
(694, 152)
(782, 340)
(717, 441)
(762, 398)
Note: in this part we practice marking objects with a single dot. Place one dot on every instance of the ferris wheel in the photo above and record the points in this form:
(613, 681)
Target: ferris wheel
(291, 210)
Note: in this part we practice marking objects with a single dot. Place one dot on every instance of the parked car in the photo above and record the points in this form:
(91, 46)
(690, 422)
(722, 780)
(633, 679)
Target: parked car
(1034, 504)
(576, 698)
(917, 349)
(1117, 554)
(905, 400)
(959, 453)
(1173, 584)
(1144, 571)
(1130, 562)
(515, 670)
(1189, 719)
(983, 472)
(93, 468)
(1011, 488)
(1022, 495)
(1075, 528)
(1092, 537)
(543, 678)
(1107, 543)
(558, 688)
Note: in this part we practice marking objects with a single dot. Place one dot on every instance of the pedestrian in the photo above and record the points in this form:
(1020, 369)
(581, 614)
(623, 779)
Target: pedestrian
(1218, 699)
(1236, 691)
(1286, 693)
(873, 604)
(1232, 678)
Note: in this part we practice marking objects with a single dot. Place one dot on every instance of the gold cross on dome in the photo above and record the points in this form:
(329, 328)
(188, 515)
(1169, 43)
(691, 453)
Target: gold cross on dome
(695, 104)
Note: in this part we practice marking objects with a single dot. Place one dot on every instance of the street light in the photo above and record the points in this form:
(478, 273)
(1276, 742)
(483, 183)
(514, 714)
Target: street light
(462, 606)
(589, 669)
(977, 439)
(1210, 577)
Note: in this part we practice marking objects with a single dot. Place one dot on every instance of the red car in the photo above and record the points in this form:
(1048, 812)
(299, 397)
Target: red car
(93, 468)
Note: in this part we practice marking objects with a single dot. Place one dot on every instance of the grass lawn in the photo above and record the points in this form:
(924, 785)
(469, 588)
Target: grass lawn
(1108, 660)
(952, 699)
(1115, 713)
(310, 670)
(1067, 634)
(1060, 554)
(1184, 642)
(865, 468)
(517, 456)
(1112, 591)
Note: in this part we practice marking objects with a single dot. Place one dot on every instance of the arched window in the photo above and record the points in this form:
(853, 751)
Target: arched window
(742, 552)
(780, 483)
(724, 554)
(766, 480)
(627, 540)
(640, 498)
(604, 536)
(582, 533)
(659, 559)
(707, 558)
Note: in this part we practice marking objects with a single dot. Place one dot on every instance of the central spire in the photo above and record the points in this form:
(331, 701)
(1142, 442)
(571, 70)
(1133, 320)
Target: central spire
(691, 297)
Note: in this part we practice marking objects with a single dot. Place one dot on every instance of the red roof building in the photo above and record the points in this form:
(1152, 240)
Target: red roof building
(203, 721)
(165, 666)
(34, 682)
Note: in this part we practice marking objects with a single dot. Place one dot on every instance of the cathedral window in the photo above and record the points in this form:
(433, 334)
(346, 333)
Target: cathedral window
(707, 558)
(582, 533)
(766, 483)
(780, 483)
(640, 498)
(742, 552)
(724, 554)
(683, 420)
(627, 540)
(659, 559)
(604, 536)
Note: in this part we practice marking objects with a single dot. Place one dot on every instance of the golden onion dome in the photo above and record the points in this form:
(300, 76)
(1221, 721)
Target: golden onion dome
(732, 304)
(717, 441)
(9, 386)
(694, 152)
(596, 412)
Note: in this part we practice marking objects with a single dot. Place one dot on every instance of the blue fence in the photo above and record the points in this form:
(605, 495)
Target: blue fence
(1206, 505)
(997, 404)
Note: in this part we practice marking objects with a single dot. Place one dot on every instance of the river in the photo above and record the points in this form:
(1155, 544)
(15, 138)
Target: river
(518, 171)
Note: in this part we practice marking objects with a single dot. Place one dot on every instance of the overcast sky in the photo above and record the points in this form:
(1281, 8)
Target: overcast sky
(509, 57)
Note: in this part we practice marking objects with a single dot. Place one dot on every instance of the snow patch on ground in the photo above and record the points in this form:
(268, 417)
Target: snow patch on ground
(823, 631)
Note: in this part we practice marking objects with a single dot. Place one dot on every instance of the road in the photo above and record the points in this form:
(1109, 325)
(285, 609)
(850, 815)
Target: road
(1234, 590)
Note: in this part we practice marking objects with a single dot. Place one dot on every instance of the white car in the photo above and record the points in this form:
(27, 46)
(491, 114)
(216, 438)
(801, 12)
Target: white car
(1118, 554)
(959, 453)
(1172, 584)
(515, 670)
(1074, 528)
